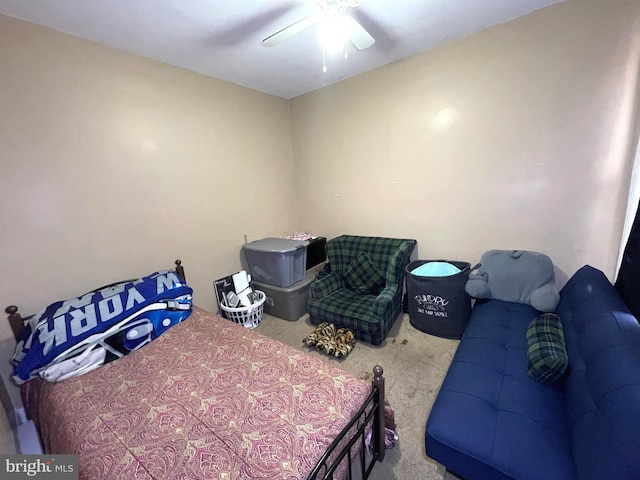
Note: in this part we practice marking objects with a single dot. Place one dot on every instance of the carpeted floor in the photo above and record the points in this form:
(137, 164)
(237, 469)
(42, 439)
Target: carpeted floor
(414, 366)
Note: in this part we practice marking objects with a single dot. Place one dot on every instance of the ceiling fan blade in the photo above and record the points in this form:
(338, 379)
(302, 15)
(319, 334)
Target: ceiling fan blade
(290, 31)
(360, 38)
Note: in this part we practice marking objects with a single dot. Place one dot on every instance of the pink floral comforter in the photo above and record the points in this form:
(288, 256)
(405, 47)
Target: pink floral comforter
(207, 399)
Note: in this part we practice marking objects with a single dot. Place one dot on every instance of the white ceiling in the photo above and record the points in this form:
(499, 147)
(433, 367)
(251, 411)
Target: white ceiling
(222, 38)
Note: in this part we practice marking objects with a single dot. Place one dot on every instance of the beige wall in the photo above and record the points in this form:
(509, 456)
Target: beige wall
(113, 166)
(515, 138)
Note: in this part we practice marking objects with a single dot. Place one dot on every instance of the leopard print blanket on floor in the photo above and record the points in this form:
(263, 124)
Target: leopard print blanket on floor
(327, 339)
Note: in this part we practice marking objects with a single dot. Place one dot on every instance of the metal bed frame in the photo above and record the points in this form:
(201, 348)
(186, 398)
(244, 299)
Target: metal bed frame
(371, 416)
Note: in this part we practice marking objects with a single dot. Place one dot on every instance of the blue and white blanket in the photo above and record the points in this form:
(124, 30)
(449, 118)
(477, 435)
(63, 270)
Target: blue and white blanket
(72, 337)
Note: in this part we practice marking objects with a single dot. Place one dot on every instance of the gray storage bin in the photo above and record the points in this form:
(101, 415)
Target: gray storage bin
(289, 303)
(276, 261)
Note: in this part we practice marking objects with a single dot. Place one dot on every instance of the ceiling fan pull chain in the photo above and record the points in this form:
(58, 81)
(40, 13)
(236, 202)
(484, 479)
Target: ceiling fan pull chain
(324, 61)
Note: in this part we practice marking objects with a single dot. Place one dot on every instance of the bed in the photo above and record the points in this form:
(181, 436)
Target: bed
(211, 399)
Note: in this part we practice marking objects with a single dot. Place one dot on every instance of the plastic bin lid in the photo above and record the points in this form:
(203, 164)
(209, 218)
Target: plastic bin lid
(278, 245)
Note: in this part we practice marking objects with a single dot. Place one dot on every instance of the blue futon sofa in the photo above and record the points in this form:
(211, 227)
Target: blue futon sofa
(491, 421)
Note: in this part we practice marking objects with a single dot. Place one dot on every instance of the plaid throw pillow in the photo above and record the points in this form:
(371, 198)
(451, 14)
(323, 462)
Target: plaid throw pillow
(363, 277)
(547, 359)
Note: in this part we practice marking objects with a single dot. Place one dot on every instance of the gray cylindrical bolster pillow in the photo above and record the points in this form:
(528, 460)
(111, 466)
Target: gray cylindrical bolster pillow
(547, 359)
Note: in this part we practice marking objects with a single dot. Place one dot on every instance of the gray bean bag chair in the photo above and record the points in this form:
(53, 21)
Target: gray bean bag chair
(516, 276)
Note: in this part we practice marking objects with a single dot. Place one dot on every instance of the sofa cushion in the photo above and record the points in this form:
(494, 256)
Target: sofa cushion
(363, 277)
(546, 353)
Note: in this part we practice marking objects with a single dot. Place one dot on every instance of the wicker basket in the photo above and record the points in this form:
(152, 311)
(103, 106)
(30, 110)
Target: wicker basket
(248, 317)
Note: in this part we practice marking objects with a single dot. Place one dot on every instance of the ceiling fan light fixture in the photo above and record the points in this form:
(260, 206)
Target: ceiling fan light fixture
(333, 33)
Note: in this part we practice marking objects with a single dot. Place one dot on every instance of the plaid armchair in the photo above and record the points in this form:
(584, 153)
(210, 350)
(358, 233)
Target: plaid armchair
(363, 290)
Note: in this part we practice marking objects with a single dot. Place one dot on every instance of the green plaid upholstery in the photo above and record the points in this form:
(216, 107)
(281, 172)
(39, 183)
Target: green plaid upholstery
(363, 277)
(369, 316)
(326, 286)
(547, 357)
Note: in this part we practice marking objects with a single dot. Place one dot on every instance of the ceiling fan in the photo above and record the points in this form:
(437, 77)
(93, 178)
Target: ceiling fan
(334, 26)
